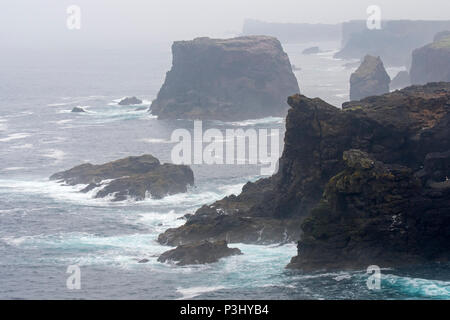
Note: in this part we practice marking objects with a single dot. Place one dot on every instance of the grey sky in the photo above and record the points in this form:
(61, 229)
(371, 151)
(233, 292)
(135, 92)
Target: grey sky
(42, 23)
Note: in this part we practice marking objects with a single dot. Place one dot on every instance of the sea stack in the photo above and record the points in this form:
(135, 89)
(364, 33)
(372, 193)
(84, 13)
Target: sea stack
(226, 79)
(370, 79)
(431, 63)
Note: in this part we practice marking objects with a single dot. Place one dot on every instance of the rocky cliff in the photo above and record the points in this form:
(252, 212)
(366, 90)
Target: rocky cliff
(382, 159)
(134, 177)
(370, 79)
(394, 42)
(231, 79)
(431, 63)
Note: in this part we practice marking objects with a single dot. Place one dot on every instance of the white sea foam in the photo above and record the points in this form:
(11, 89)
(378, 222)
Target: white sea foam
(156, 140)
(23, 146)
(15, 136)
(254, 122)
(55, 154)
(189, 293)
(417, 286)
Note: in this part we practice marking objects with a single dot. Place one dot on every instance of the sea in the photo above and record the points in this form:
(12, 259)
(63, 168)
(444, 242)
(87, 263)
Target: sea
(46, 227)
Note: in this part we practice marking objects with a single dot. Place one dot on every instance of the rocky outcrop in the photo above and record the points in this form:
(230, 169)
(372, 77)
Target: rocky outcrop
(394, 42)
(375, 214)
(400, 81)
(132, 177)
(130, 101)
(226, 79)
(311, 50)
(78, 110)
(370, 79)
(406, 133)
(431, 63)
(199, 253)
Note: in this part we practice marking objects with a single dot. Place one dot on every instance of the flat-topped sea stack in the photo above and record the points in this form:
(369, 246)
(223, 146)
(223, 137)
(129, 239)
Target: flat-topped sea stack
(366, 184)
(132, 177)
(226, 79)
(370, 79)
(431, 63)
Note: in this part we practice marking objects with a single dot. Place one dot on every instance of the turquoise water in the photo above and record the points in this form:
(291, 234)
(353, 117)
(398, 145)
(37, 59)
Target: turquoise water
(45, 227)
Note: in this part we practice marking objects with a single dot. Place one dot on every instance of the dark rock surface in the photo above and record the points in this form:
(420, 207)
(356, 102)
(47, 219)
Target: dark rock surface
(130, 101)
(431, 63)
(311, 50)
(394, 43)
(133, 177)
(370, 79)
(226, 79)
(400, 81)
(199, 253)
(78, 110)
(406, 132)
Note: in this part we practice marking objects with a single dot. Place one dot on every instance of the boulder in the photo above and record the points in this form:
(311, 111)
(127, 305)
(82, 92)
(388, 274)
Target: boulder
(226, 79)
(134, 177)
(406, 133)
(78, 110)
(130, 101)
(311, 50)
(370, 79)
(199, 253)
(431, 63)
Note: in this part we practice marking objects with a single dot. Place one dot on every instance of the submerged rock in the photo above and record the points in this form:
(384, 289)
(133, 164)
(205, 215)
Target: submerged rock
(130, 101)
(370, 79)
(78, 110)
(431, 63)
(312, 50)
(401, 80)
(406, 133)
(133, 177)
(226, 79)
(199, 253)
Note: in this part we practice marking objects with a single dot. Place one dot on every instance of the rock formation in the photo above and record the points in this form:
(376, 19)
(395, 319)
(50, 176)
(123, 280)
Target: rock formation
(376, 169)
(370, 79)
(400, 81)
(394, 42)
(199, 253)
(231, 79)
(130, 101)
(431, 63)
(311, 50)
(134, 177)
(78, 110)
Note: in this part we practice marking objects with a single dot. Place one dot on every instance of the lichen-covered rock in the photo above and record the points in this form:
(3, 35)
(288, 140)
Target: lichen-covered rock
(199, 253)
(407, 131)
(431, 63)
(401, 80)
(226, 79)
(134, 177)
(370, 79)
(375, 215)
(130, 101)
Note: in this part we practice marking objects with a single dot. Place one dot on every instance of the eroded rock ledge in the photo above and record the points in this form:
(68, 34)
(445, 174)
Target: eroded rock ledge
(134, 177)
(406, 134)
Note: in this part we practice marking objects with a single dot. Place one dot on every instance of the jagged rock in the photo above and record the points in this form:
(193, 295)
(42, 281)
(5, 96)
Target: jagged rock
(374, 215)
(133, 177)
(78, 110)
(143, 261)
(130, 101)
(199, 253)
(370, 79)
(312, 50)
(400, 129)
(431, 63)
(226, 79)
(401, 80)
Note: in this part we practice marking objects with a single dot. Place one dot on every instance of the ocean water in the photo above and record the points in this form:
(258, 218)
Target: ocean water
(45, 227)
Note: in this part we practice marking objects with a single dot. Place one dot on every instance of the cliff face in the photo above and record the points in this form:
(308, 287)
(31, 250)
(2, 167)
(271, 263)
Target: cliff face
(407, 132)
(432, 62)
(232, 79)
(394, 43)
(370, 79)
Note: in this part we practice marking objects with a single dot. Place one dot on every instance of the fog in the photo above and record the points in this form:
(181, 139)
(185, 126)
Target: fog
(31, 24)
